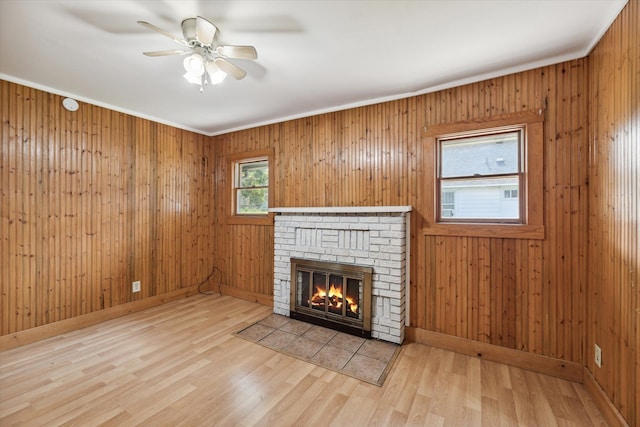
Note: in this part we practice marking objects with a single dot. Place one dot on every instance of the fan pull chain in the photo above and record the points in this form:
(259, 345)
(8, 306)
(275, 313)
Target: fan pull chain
(203, 82)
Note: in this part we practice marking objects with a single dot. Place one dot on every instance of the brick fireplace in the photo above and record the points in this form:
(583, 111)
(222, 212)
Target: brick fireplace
(375, 238)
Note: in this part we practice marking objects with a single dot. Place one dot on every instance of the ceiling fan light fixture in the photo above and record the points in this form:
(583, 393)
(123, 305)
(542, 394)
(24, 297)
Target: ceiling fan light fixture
(216, 75)
(193, 79)
(194, 65)
(206, 61)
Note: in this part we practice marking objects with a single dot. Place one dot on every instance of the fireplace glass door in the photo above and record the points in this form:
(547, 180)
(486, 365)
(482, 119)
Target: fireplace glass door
(338, 293)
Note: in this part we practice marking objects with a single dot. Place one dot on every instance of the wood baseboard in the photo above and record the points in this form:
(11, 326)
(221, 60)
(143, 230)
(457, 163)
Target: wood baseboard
(38, 333)
(571, 371)
(609, 412)
(247, 295)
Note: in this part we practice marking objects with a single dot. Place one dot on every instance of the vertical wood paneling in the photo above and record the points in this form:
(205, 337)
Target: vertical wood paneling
(613, 308)
(78, 211)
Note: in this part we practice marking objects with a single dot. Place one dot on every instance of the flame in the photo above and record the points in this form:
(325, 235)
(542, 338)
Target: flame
(334, 299)
(353, 306)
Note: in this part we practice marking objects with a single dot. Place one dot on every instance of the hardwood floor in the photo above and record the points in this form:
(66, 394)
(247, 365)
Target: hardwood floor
(180, 365)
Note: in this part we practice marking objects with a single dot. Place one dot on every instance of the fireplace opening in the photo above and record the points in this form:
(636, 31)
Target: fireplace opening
(334, 295)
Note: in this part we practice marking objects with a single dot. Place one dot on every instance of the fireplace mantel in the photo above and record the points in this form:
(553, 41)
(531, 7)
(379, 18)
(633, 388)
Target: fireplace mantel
(342, 209)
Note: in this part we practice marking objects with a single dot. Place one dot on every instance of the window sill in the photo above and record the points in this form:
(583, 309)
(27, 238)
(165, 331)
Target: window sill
(250, 219)
(496, 231)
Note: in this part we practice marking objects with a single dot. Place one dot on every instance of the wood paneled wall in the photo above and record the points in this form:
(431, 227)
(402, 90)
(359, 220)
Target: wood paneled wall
(91, 201)
(524, 294)
(613, 320)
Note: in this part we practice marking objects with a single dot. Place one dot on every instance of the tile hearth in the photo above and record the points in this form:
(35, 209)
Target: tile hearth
(365, 359)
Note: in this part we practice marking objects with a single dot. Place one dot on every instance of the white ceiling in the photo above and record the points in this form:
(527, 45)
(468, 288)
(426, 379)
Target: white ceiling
(314, 56)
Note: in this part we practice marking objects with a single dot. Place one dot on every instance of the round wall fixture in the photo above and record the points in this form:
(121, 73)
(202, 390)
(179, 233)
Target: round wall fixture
(70, 104)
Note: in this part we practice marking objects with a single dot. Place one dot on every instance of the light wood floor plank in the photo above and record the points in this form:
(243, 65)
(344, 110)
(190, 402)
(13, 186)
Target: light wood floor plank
(180, 365)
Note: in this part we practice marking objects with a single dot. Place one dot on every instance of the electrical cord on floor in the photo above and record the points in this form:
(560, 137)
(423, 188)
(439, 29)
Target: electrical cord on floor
(206, 279)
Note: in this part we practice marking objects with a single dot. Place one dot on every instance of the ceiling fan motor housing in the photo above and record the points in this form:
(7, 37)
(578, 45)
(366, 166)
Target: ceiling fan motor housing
(189, 30)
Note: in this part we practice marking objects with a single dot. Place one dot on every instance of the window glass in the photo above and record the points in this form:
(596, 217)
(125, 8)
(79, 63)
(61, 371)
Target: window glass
(252, 187)
(481, 155)
(480, 177)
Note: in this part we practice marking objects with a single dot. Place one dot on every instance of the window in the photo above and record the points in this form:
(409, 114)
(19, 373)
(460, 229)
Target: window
(477, 170)
(484, 177)
(249, 175)
(252, 187)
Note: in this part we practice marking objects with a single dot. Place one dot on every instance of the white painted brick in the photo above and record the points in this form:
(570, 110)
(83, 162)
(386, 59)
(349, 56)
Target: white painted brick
(331, 233)
(396, 272)
(315, 250)
(359, 254)
(312, 256)
(381, 329)
(391, 279)
(388, 294)
(397, 302)
(398, 287)
(382, 286)
(394, 234)
(395, 332)
(379, 227)
(367, 262)
(387, 263)
(349, 219)
(386, 322)
(357, 226)
(397, 256)
(394, 318)
(381, 256)
(380, 241)
(391, 219)
(340, 252)
(382, 270)
(331, 226)
(395, 309)
(344, 239)
(369, 219)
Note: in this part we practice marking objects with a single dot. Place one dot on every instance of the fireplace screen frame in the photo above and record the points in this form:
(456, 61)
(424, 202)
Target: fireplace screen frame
(350, 271)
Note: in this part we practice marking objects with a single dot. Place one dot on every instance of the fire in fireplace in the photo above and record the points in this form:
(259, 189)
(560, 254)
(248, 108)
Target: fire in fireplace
(333, 295)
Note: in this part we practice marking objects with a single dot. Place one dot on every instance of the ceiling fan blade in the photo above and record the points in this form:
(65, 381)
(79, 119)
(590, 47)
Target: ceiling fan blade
(239, 52)
(163, 32)
(205, 31)
(167, 52)
(231, 69)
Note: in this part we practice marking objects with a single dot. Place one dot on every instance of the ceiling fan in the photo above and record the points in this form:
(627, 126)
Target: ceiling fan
(207, 61)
